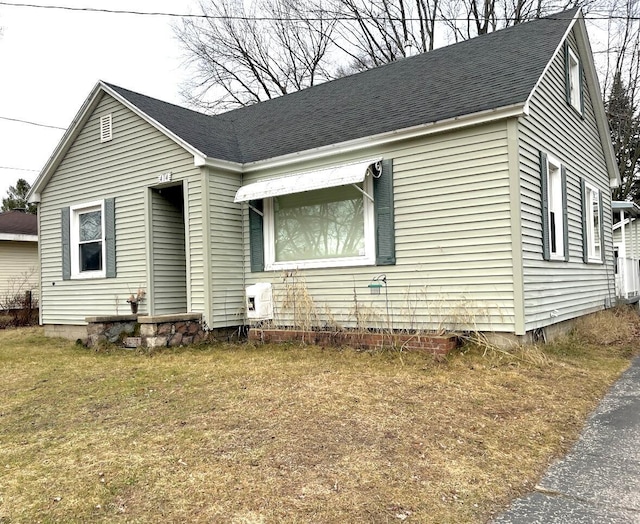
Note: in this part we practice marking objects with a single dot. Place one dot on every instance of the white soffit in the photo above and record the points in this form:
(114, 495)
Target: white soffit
(343, 175)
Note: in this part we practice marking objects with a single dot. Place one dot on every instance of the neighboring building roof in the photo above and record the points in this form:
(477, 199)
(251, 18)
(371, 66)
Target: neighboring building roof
(18, 225)
(492, 71)
(630, 208)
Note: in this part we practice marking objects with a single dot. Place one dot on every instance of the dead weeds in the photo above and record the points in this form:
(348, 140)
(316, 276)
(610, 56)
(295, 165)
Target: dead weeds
(247, 434)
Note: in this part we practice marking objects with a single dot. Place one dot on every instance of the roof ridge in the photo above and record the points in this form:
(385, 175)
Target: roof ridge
(469, 41)
(468, 77)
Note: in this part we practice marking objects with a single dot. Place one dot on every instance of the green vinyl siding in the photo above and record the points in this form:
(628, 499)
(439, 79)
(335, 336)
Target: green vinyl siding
(560, 290)
(90, 171)
(453, 268)
(225, 250)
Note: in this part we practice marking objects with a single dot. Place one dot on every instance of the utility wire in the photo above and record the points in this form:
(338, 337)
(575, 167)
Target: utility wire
(31, 123)
(270, 18)
(20, 169)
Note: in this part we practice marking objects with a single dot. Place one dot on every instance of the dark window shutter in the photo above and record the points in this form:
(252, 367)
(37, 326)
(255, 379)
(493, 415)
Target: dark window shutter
(65, 221)
(544, 204)
(110, 236)
(384, 219)
(585, 234)
(601, 222)
(256, 236)
(567, 73)
(565, 213)
(581, 87)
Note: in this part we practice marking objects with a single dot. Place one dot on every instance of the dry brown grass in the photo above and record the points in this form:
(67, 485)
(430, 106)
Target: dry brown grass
(246, 434)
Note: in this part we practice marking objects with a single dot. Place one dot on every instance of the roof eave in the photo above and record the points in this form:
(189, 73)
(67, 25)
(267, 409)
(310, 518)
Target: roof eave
(222, 165)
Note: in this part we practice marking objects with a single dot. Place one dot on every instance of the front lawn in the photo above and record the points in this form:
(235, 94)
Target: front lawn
(250, 434)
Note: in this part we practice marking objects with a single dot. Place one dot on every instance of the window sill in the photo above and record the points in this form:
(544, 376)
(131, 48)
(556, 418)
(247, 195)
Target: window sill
(88, 275)
(320, 264)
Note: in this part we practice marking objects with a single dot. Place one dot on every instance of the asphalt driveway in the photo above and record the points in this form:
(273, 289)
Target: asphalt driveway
(599, 480)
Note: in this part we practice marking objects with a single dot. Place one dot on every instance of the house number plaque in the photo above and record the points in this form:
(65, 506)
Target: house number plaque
(164, 177)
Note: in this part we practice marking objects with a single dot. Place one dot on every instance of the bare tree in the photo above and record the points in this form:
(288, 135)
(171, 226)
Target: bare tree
(471, 18)
(245, 56)
(621, 85)
(376, 32)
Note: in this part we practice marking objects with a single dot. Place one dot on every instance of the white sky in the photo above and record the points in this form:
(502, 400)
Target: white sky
(51, 59)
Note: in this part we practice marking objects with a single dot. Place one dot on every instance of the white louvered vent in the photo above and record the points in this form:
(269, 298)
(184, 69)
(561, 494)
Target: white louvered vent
(105, 128)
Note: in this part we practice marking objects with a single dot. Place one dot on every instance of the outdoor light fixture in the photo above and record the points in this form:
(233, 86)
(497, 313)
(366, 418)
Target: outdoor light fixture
(375, 286)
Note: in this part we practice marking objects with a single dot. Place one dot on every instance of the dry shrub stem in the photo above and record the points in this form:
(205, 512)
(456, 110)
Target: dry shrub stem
(243, 434)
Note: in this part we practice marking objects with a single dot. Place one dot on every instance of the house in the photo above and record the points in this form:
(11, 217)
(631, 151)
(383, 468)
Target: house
(626, 249)
(18, 257)
(466, 188)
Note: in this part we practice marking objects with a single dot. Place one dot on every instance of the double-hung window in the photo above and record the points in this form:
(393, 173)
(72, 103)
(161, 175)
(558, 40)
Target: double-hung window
(340, 216)
(573, 79)
(553, 184)
(88, 240)
(592, 223)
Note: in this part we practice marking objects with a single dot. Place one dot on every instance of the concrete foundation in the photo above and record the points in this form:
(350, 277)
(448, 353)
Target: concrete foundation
(72, 332)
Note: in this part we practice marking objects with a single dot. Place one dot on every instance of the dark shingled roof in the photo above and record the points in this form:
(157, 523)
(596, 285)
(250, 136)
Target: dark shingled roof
(18, 223)
(487, 72)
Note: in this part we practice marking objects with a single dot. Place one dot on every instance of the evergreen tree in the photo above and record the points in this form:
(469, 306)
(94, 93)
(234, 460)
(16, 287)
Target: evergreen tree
(17, 197)
(624, 123)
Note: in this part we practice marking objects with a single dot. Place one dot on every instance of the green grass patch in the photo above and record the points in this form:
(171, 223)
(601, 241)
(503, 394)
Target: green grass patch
(247, 434)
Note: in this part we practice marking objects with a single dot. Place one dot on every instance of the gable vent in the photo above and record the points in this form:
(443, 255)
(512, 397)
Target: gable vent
(105, 128)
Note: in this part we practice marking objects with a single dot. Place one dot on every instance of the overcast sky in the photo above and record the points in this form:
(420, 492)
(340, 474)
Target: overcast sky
(50, 60)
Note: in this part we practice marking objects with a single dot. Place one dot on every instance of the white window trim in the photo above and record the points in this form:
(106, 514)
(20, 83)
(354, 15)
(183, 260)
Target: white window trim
(592, 192)
(554, 163)
(574, 79)
(74, 240)
(368, 259)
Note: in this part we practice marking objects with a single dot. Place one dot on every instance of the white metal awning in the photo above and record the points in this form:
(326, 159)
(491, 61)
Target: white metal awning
(343, 175)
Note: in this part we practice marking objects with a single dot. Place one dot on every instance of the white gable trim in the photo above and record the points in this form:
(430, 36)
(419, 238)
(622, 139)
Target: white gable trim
(593, 85)
(79, 121)
(185, 145)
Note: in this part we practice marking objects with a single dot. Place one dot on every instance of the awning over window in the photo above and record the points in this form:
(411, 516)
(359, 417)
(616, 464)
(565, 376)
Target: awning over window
(309, 181)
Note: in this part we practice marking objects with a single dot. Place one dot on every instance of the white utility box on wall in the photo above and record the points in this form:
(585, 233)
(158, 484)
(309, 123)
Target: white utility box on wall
(259, 301)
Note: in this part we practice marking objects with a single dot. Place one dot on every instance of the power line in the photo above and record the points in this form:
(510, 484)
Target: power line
(31, 123)
(20, 169)
(100, 10)
(269, 18)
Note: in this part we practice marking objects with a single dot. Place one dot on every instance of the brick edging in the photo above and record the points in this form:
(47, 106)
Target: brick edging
(438, 345)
